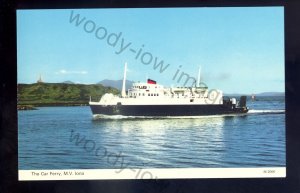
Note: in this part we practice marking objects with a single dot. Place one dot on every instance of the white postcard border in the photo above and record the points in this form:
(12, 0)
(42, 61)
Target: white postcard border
(170, 173)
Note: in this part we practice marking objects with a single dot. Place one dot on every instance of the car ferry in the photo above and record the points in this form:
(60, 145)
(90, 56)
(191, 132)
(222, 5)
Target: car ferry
(152, 99)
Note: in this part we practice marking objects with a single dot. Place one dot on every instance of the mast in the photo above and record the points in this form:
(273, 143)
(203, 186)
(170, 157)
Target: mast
(124, 81)
(198, 80)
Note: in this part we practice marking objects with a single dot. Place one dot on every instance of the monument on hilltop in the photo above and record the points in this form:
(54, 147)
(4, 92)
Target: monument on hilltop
(40, 79)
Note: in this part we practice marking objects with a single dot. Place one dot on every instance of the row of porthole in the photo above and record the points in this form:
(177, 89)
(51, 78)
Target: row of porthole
(140, 87)
(143, 94)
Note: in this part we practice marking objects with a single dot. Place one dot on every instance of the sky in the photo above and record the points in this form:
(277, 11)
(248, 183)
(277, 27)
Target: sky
(239, 50)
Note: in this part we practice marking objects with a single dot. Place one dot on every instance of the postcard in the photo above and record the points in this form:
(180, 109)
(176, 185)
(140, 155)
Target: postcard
(151, 93)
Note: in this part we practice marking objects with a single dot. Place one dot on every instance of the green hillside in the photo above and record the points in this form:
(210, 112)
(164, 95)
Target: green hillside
(44, 94)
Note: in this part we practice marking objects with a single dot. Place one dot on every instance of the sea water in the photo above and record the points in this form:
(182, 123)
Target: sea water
(72, 138)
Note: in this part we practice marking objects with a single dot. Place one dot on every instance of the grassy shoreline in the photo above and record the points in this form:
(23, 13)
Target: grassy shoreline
(59, 94)
(33, 106)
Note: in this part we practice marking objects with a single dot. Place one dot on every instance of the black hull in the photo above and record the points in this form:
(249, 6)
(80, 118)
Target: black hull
(166, 110)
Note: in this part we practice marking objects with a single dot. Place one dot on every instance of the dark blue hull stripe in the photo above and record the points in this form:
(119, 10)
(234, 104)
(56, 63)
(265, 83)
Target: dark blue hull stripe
(165, 110)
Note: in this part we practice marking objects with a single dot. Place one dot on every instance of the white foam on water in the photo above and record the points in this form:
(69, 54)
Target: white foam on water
(251, 111)
(100, 116)
(265, 111)
(116, 117)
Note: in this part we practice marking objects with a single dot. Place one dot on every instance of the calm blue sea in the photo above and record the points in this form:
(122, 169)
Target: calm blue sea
(70, 138)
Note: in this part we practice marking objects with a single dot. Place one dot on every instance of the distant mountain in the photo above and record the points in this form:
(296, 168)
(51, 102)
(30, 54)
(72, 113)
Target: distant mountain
(116, 83)
(68, 82)
(271, 94)
(234, 94)
(259, 94)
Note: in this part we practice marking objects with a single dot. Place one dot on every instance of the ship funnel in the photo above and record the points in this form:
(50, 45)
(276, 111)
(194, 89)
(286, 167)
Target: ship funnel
(124, 81)
(198, 80)
(243, 100)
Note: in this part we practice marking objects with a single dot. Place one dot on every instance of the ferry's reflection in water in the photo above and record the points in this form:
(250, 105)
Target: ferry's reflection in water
(166, 142)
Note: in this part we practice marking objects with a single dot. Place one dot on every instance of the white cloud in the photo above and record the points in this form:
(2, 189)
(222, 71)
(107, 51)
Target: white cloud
(63, 71)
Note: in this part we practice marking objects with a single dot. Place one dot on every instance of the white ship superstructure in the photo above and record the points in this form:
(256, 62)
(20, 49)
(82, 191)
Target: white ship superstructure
(155, 94)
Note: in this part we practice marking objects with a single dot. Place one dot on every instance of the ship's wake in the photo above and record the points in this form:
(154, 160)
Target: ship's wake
(274, 111)
(250, 112)
(100, 116)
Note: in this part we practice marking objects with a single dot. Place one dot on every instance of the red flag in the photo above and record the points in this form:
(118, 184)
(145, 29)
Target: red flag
(149, 81)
